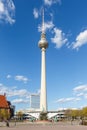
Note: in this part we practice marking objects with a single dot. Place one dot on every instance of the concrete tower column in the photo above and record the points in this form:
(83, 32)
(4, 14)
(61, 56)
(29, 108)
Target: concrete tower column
(43, 95)
(43, 44)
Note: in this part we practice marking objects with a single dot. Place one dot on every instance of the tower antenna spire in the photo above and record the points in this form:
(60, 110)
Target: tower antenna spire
(43, 24)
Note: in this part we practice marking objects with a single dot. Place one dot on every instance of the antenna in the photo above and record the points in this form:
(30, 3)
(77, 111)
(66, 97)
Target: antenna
(43, 24)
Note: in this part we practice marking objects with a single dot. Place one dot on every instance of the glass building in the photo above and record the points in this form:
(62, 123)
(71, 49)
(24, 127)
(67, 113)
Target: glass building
(35, 101)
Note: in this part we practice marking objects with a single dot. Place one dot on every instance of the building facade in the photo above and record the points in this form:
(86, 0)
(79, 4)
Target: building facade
(35, 101)
(6, 109)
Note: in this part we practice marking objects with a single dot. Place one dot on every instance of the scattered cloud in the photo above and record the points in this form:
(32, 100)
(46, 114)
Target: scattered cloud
(21, 78)
(1, 7)
(19, 101)
(59, 38)
(3, 89)
(1, 84)
(36, 13)
(47, 25)
(7, 11)
(85, 96)
(81, 40)
(51, 2)
(18, 95)
(81, 88)
(8, 76)
(18, 78)
(81, 91)
(38, 91)
(80, 94)
(73, 108)
(64, 100)
(13, 91)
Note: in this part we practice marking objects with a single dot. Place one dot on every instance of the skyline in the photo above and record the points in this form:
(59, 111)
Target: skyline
(20, 56)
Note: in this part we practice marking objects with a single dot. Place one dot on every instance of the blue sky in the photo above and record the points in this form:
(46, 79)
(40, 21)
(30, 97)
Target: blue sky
(66, 56)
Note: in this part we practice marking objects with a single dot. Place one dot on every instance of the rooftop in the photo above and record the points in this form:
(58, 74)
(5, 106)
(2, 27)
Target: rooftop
(3, 102)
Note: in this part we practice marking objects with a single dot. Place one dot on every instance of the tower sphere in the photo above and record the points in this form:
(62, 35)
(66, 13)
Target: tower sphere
(43, 43)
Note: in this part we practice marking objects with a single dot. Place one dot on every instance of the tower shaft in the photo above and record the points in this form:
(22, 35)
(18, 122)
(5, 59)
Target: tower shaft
(43, 95)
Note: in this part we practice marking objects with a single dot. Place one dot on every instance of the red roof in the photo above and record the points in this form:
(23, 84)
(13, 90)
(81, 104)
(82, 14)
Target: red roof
(3, 102)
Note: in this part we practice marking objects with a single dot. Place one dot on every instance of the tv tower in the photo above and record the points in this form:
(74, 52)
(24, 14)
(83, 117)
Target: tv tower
(43, 44)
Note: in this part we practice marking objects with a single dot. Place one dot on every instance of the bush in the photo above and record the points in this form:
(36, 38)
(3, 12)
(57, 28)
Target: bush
(43, 116)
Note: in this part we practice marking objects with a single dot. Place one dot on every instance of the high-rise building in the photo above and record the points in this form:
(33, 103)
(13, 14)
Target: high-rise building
(43, 44)
(35, 101)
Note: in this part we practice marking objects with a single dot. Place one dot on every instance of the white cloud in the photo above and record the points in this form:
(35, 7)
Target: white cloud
(47, 25)
(81, 91)
(50, 2)
(7, 10)
(81, 40)
(35, 13)
(13, 91)
(1, 7)
(64, 100)
(80, 94)
(1, 84)
(81, 88)
(21, 78)
(8, 76)
(18, 101)
(59, 38)
(85, 96)
(77, 99)
(20, 93)
(38, 91)
(3, 89)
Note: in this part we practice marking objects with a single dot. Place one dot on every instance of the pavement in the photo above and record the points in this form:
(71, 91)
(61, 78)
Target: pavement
(43, 126)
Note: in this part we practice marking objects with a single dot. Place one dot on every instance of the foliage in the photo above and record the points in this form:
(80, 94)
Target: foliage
(68, 113)
(19, 115)
(84, 112)
(73, 114)
(43, 116)
(4, 114)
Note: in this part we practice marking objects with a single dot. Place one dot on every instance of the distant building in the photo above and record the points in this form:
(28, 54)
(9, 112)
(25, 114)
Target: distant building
(35, 101)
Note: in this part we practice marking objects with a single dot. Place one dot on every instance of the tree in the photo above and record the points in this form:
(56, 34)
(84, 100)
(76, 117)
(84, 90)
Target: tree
(68, 113)
(19, 115)
(4, 114)
(43, 116)
(84, 112)
(73, 114)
